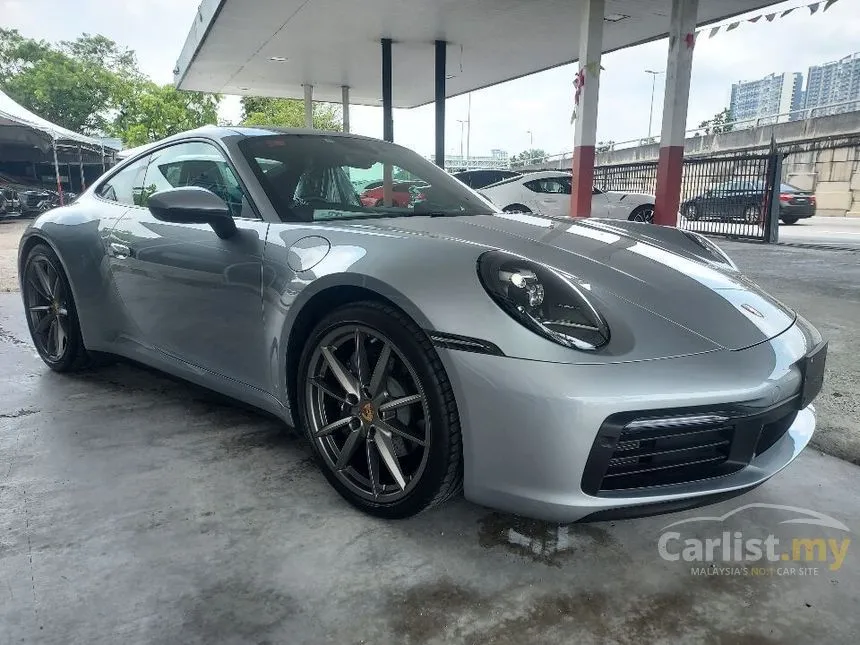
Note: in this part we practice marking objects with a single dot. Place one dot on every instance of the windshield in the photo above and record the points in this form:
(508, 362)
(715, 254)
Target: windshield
(314, 177)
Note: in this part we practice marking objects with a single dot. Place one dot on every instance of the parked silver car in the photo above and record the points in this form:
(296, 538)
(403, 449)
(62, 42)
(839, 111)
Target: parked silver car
(552, 368)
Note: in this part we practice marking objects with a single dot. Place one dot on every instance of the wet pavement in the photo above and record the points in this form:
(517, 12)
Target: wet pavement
(137, 509)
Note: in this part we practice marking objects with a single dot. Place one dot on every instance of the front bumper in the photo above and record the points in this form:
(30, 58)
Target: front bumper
(800, 211)
(529, 427)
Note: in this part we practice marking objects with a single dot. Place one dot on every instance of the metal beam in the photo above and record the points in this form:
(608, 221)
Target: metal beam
(441, 65)
(309, 106)
(387, 108)
(344, 94)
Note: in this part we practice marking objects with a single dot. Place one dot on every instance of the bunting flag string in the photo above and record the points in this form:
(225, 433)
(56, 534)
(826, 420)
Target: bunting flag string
(813, 7)
(593, 68)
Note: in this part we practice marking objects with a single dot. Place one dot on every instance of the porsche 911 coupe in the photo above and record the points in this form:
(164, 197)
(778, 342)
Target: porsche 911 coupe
(556, 369)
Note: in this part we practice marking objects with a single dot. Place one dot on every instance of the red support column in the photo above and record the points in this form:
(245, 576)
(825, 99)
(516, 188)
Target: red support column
(682, 30)
(583, 181)
(588, 86)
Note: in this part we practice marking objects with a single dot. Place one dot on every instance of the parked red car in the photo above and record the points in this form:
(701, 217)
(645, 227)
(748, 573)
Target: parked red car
(403, 194)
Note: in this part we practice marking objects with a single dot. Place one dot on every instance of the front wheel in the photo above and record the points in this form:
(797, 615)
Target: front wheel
(51, 314)
(379, 411)
(643, 213)
(516, 208)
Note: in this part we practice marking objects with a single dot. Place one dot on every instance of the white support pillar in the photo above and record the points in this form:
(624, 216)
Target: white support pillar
(588, 80)
(309, 106)
(344, 93)
(679, 65)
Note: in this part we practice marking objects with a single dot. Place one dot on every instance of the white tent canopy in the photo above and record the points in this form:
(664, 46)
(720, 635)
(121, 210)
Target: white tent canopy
(20, 126)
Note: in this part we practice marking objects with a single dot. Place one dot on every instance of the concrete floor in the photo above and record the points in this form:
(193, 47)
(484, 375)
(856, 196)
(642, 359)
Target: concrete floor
(826, 231)
(135, 509)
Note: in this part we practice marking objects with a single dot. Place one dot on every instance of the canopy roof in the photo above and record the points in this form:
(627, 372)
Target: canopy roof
(20, 126)
(273, 47)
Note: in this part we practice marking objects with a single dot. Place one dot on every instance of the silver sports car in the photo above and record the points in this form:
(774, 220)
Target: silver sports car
(557, 369)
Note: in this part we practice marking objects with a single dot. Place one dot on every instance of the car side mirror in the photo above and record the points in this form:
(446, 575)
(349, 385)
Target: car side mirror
(193, 205)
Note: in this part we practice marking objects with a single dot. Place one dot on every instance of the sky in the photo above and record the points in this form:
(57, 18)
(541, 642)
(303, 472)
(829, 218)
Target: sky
(501, 116)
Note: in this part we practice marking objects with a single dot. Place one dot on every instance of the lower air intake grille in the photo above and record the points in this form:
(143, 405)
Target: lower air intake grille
(668, 451)
(642, 450)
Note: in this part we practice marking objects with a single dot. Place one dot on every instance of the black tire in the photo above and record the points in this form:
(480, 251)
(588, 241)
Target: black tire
(73, 356)
(789, 219)
(441, 477)
(751, 214)
(691, 212)
(644, 213)
(516, 208)
(3, 204)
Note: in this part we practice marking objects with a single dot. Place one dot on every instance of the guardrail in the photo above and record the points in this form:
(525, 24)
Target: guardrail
(730, 126)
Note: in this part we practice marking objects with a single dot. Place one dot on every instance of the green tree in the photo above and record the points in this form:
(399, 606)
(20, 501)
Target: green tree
(533, 155)
(721, 122)
(288, 113)
(74, 93)
(93, 85)
(149, 112)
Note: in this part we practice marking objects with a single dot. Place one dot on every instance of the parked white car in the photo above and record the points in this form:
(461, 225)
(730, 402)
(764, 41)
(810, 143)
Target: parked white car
(548, 193)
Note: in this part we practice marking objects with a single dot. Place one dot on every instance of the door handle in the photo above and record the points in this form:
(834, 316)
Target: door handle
(119, 251)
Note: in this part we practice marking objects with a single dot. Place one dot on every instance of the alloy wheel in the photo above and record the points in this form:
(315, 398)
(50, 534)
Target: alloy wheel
(368, 413)
(644, 215)
(47, 306)
(751, 214)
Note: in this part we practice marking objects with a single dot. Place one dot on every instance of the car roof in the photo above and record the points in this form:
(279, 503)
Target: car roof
(221, 132)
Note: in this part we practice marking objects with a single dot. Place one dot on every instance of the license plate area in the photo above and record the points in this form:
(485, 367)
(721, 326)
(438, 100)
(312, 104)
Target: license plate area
(812, 369)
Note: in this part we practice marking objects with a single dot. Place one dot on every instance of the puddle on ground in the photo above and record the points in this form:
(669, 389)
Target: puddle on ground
(540, 541)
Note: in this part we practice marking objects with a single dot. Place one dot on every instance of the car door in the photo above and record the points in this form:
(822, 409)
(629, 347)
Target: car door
(189, 293)
(549, 196)
(600, 204)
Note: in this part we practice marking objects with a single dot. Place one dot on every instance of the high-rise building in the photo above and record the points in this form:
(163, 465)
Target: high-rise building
(834, 82)
(764, 99)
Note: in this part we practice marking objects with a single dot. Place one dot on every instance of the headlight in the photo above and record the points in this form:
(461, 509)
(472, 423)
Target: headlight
(543, 299)
(712, 249)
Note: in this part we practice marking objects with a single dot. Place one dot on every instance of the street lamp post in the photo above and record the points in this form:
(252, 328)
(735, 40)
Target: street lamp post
(654, 75)
(462, 123)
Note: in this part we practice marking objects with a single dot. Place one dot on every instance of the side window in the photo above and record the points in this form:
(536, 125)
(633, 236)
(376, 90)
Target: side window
(126, 186)
(555, 186)
(196, 164)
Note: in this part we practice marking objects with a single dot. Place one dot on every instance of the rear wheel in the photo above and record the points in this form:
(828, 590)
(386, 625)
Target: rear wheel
(379, 411)
(51, 314)
(643, 213)
(691, 212)
(789, 219)
(517, 208)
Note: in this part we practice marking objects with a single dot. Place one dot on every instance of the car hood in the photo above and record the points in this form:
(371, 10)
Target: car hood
(705, 297)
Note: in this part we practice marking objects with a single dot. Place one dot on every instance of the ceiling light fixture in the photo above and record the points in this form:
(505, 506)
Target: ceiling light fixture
(615, 17)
